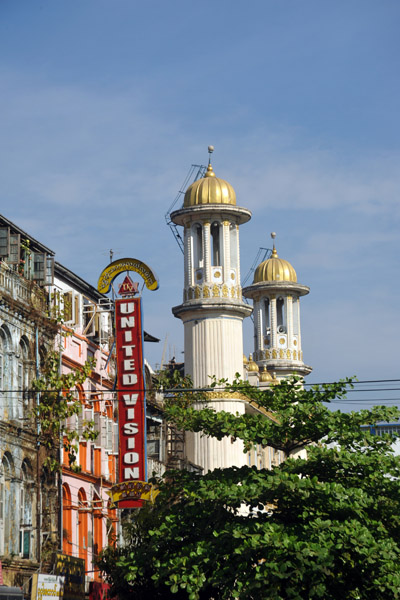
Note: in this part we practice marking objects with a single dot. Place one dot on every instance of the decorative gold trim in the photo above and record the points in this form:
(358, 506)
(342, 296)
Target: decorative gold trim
(288, 353)
(225, 396)
(197, 292)
(215, 290)
(217, 274)
(225, 223)
(225, 291)
(282, 340)
(206, 291)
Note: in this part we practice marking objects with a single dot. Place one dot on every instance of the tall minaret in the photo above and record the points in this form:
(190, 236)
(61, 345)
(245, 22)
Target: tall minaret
(213, 310)
(277, 333)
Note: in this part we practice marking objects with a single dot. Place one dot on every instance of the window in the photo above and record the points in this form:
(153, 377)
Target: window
(25, 510)
(22, 375)
(67, 520)
(2, 492)
(216, 253)
(4, 242)
(39, 261)
(199, 245)
(280, 315)
(5, 398)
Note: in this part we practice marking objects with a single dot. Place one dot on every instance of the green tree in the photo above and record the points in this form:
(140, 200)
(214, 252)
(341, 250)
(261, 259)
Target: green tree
(57, 402)
(325, 526)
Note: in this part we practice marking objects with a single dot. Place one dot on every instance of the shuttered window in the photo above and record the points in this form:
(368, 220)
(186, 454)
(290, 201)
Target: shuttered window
(4, 242)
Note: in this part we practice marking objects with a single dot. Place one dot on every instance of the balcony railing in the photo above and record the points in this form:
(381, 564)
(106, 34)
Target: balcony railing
(18, 288)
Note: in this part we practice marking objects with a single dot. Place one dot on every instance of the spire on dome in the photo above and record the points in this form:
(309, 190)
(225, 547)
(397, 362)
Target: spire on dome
(274, 252)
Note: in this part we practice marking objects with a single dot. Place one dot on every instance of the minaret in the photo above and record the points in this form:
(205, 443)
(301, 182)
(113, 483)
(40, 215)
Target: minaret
(212, 310)
(276, 308)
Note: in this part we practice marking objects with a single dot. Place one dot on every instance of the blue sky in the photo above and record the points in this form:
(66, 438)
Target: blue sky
(105, 105)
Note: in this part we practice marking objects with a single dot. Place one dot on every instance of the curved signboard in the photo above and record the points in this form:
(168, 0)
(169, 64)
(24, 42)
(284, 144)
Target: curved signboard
(126, 264)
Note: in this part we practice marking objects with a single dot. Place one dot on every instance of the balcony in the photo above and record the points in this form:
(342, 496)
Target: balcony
(17, 288)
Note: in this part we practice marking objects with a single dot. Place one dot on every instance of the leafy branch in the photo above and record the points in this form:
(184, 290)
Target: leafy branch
(58, 402)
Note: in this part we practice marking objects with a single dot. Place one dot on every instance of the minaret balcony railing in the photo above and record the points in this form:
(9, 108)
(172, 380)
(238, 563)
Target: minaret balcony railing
(278, 354)
(213, 290)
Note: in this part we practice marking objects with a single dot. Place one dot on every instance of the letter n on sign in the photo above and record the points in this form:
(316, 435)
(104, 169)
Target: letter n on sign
(131, 394)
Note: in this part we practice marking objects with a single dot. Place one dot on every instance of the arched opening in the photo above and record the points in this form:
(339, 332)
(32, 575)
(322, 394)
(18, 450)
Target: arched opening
(5, 371)
(83, 526)
(22, 374)
(97, 529)
(10, 533)
(2, 492)
(280, 315)
(111, 524)
(216, 250)
(67, 520)
(25, 510)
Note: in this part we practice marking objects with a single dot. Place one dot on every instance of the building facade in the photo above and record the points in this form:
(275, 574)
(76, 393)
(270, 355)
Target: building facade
(87, 521)
(28, 492)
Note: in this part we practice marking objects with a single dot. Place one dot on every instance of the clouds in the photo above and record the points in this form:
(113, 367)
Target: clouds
(103, 112)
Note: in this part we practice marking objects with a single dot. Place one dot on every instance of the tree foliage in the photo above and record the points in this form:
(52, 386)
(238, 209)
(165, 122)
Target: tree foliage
(57, 402)
(322, 527)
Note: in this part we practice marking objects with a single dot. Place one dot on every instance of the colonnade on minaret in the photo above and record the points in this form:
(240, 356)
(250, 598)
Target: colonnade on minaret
(277, 335)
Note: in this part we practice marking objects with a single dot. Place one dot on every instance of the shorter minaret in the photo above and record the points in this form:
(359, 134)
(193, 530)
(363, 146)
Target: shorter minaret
(277, 333)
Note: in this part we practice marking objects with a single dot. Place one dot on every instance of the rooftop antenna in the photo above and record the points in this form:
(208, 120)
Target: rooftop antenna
(195, 172)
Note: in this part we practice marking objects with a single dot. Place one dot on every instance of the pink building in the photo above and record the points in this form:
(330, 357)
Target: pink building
(87, 520)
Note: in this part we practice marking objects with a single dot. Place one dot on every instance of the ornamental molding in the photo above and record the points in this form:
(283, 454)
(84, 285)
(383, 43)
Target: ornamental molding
(217, 290)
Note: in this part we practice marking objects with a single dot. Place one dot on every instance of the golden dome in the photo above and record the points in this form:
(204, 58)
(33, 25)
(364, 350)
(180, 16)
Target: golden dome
(252, 366)
(245, 361)
(209, 190)
(275, 269)
(265, 376)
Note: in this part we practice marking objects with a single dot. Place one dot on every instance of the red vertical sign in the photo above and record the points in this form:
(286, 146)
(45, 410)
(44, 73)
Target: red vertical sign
(131, 394)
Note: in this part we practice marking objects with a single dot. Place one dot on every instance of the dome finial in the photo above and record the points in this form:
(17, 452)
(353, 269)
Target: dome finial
(274, 252)
(210, 172)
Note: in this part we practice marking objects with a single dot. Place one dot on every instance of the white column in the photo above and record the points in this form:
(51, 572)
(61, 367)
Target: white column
(206, 252)
(238, 256)
(289, 321)
(273, 323)
(260, 326)
(188, 256)
(226, 251)
(299, 326)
